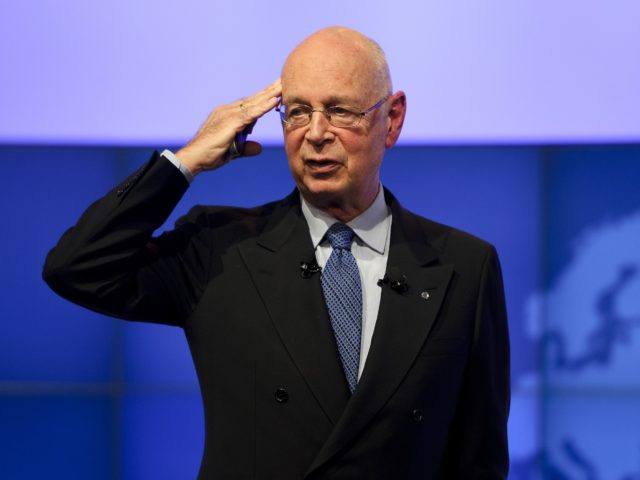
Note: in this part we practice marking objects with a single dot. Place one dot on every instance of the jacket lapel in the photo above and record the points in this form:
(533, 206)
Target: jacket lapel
(403, 324)
(296, 305)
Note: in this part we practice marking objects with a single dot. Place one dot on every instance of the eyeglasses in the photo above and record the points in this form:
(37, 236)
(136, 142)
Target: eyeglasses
(338, 116)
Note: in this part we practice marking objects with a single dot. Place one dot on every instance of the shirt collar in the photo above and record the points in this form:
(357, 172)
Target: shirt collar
(371, 226)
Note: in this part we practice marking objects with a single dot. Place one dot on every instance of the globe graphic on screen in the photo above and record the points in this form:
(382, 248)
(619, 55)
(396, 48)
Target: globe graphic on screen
(587, 328)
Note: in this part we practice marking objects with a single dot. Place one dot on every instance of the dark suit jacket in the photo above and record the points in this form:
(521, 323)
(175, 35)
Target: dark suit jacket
(433, 399)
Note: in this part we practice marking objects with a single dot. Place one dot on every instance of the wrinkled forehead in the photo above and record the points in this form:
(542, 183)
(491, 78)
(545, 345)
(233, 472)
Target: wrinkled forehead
(331, 67)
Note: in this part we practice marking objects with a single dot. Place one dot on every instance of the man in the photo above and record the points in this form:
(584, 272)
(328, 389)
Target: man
(375, 350)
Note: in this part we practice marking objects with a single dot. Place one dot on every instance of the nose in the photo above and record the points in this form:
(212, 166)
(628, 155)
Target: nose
(318, 129)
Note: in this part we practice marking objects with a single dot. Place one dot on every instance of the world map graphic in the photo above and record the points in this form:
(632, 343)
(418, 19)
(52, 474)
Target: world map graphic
(586, 326)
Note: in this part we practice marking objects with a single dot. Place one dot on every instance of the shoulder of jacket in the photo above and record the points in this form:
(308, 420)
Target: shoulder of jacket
(447, 239)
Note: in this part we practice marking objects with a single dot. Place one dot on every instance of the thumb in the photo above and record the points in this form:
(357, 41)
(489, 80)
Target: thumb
(251, 149)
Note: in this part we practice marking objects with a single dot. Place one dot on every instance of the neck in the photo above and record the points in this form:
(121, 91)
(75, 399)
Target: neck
(344, 211)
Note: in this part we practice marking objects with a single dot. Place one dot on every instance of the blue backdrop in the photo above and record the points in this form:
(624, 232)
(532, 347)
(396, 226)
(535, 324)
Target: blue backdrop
(83, 396)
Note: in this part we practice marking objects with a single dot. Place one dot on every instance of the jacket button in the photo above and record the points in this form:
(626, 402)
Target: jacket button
(417, 415)
(281, 395)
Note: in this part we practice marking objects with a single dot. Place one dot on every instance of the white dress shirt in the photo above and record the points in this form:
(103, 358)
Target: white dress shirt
(370, 249)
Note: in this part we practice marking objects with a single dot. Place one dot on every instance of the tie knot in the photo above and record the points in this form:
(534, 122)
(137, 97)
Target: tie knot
(340, 236)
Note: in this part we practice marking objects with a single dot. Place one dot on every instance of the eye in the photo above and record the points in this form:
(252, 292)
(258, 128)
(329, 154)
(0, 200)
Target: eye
(339, 112)
(297, 111)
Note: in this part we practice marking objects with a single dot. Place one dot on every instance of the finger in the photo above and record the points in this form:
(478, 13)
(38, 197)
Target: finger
(273, 88)
(271, 91)
(250, 113)
(261, 102)
(251, 149)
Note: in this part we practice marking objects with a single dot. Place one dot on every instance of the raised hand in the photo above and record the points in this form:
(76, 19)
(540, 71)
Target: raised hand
(208, 149)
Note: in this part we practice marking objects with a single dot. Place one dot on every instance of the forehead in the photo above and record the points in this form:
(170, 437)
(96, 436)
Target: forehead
(326, 71)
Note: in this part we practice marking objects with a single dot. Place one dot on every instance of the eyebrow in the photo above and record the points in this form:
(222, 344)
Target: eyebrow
(333, 100)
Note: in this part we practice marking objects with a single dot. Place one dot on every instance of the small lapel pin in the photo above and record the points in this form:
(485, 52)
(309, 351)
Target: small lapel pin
(425, 295)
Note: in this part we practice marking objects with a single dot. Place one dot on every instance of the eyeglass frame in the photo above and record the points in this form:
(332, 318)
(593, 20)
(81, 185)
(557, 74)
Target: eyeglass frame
(327, 115)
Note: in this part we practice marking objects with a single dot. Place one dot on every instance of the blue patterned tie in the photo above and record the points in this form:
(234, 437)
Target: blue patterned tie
(343, 295)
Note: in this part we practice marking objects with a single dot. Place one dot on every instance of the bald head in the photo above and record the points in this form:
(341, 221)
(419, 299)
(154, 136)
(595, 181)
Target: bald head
(342, 52)
(336, 71)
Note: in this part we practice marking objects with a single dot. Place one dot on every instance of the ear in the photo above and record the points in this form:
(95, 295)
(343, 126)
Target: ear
(397, 111)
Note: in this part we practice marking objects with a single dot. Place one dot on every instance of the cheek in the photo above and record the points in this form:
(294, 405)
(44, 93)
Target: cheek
(360, 146)
(292, 150)
(365, 158)
(292, 143)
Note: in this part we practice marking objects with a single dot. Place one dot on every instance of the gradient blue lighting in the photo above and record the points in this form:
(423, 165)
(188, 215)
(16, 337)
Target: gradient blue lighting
(121, 72)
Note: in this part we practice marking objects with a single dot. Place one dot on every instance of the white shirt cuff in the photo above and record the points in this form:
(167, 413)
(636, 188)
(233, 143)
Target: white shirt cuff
(169, 155)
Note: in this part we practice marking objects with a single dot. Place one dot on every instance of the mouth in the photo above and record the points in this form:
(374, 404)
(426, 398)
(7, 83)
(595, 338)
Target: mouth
(322, 166)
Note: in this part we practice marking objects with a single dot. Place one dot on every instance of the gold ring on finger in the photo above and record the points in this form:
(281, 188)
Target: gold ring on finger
(243, 109)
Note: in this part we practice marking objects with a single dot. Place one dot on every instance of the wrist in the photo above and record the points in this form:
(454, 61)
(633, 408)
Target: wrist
(189, 160)
(171, 157)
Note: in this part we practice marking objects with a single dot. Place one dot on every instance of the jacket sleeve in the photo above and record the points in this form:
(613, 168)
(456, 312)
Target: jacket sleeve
(479, 449)
(109, 262)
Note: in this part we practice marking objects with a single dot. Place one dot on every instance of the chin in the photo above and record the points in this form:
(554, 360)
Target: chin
(321, 193)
